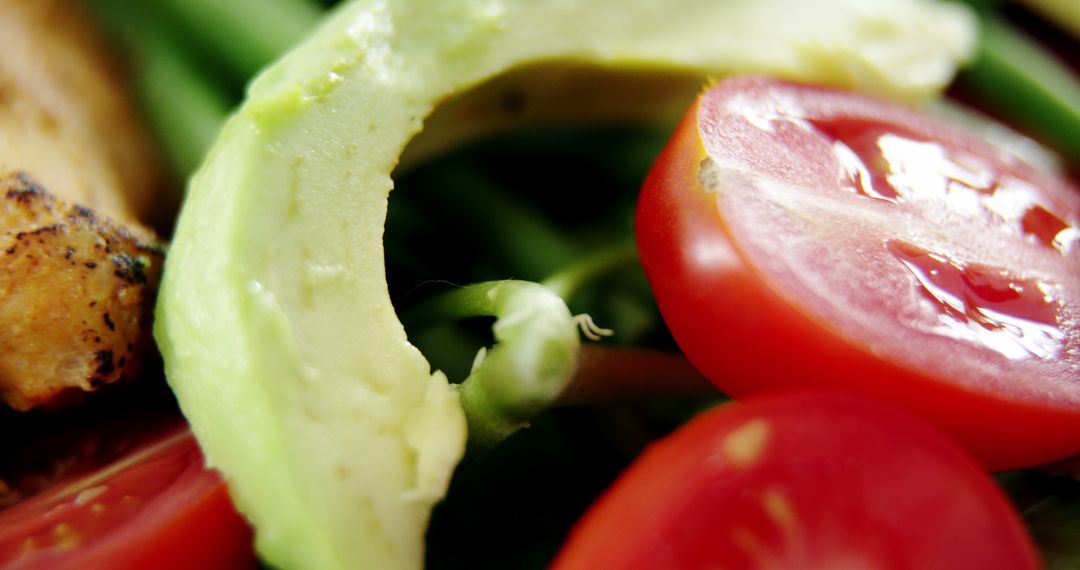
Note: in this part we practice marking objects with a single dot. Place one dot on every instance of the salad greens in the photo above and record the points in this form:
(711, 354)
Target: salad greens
(302, 174)
(1063, 12)
(1017, 78)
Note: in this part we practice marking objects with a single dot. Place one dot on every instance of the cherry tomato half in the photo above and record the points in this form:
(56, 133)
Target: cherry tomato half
(801, 481)
(797, 236)
(156, 507)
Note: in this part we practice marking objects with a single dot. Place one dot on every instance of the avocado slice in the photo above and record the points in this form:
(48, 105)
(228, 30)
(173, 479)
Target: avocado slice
(274, 319)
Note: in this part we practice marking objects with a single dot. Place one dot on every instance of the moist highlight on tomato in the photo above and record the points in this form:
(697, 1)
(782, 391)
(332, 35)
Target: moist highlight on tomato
(797, 236)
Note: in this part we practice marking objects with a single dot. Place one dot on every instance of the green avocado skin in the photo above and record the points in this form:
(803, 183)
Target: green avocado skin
(274, 319)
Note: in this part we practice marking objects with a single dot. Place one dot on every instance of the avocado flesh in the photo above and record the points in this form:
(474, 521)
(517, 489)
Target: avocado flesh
(274, 319)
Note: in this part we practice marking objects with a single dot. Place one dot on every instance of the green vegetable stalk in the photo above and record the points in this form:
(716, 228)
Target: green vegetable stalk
(1016, 77)
(534, 357)
(245, 35)
(184, 104)
(189, 57)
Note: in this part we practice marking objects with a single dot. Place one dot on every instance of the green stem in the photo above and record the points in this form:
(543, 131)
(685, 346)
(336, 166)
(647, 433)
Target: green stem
(1064, 13)
(533, 359)
(1025, 83)
(183, 105)
(525, 242)
(245, 35)
(185, 111)
(578, 275)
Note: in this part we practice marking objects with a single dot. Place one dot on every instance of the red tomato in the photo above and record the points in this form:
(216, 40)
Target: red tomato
(799, 236)
(157, 507)
(801, 481)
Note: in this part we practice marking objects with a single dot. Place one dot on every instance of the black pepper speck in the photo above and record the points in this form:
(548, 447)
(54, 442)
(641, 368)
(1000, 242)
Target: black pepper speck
(104, 360)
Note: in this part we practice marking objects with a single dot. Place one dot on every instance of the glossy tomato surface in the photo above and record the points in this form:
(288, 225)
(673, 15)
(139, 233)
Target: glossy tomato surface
(796, 236)
(801, 481)
(157, 506)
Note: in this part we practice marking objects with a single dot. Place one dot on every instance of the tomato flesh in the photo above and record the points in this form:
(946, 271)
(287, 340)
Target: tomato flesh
(799, 236)
(157, 507)
(801, 481)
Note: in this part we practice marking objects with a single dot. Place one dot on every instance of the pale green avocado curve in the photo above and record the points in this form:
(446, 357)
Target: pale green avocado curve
(274, 320)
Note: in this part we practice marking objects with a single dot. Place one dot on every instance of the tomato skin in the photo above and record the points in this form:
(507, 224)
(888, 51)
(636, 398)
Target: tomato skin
(801, 480)
(157, 507)
(746, 336)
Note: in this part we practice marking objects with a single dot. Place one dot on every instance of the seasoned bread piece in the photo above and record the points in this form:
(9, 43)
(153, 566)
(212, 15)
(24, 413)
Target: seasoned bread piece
(78, 273)
(76, 297)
